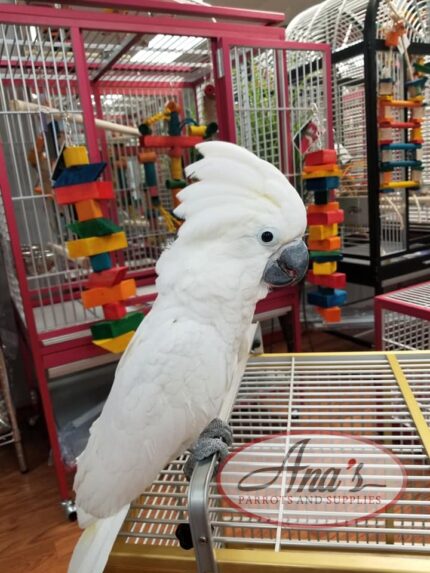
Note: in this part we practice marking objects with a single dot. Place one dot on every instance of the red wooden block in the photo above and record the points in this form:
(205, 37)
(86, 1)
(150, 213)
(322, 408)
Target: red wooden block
(181, 141)
(326, 208)
(335, 280)
(325, 218)
(114, 310)
(106, 278)
(83, 192)
(321, 157)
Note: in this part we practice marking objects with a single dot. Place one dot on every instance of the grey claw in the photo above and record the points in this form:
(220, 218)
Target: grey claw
(215, 438)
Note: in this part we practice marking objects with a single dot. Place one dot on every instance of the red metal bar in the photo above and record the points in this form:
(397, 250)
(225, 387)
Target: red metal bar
(329, 94)
(224, 90)
(174, 8)
(31, 328)
(378, 323)
(37, 16)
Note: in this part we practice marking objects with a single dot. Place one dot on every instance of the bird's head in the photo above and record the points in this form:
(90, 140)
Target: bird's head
(245, 210)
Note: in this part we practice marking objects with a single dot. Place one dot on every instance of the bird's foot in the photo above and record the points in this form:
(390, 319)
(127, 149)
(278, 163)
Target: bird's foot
(215, 438)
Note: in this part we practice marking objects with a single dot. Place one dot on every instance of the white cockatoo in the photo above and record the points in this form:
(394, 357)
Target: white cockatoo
(241, 235)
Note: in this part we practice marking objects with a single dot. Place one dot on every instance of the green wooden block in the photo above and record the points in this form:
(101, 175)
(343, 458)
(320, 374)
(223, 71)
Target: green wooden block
(324, 256)
(113, 328)
(94, 228)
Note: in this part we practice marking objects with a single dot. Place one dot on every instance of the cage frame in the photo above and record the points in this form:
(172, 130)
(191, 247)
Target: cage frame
(53, 352)
(392, 302)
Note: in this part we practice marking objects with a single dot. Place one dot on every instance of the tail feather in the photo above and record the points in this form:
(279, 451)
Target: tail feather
(92, 551)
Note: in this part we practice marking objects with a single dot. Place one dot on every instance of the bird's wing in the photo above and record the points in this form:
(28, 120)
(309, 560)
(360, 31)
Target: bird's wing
(168, 386)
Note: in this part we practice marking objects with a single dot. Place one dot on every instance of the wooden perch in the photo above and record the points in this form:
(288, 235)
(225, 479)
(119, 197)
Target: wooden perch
(19, 105)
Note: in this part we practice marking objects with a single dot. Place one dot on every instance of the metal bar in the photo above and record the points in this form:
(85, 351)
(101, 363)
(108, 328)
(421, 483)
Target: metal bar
(168, 7)
(411, 402)
(123, 49)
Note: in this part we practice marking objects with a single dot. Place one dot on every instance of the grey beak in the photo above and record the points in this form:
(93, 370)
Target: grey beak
(287, 267)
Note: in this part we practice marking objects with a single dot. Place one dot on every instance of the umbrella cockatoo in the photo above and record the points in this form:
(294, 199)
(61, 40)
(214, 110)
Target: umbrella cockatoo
(241, 235)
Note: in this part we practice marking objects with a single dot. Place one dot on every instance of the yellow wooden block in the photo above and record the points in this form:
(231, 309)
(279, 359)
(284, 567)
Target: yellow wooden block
(76, 155)
(89, 209)
(100, 296)
(96, 245)
(117, 344)
(321, 232)
(176, 168)
(324, 268)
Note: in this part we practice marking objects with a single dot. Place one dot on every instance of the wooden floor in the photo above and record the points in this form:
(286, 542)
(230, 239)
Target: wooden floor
(34, 534)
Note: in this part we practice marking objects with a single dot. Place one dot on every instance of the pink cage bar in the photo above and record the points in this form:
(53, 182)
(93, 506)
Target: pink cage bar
(64, 69)
(402, 318)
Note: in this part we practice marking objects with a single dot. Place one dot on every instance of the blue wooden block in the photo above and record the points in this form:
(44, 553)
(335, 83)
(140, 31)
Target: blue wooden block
(327, 300)
(322, 183)
(390, 165)
(101, 262)
(400, 146)
(80, 174)
(150, 174)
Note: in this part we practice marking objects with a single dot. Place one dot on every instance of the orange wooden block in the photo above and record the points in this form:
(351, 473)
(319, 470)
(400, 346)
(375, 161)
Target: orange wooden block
(147, 157)
(330, 244)
(332, 314)
(332, 206)
(88, 210)
(84, 192)
(107, 295)
(313, 168)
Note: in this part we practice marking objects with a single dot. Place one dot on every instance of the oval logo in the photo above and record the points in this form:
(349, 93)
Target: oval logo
(311, 479)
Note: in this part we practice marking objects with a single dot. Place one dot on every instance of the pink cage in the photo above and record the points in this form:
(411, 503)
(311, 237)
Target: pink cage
(63, 72)
(402, 318)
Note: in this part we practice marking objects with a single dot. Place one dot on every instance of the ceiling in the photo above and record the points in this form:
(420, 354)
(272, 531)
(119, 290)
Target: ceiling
(289, 7)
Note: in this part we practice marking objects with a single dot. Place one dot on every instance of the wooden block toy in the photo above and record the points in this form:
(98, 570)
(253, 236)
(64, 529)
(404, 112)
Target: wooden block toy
(84, 192)
(75, 155)
(400, 185)
(331, 314)
(385, 177)
(417, 135)
(101, 262)
(325, 256)
(176, 167)
(105, 295)
(315, 168)
(401, 146)
(322, 173)
(326, 218)
(114, 328)
(330, 244)
(96, 245)
(94, 228)
(324, 268)
(115, 345)
(325, 299)
(320, 232)
(323, 197)
(322, 183)
(331, 206)
(90, 209)
(390, 165)
(114, 311)
(107, 278)
(183, 141)
(150, 174)
(398, 124)
(321, 157)
(334, 280)
(79, 174)
(147, 157)
(175, 183)
(176, 152)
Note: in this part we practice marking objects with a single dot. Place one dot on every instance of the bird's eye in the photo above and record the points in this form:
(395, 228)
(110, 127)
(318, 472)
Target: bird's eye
(267, 236)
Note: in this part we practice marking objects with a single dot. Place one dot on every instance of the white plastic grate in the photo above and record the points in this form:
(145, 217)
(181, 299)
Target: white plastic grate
(353, 394)
(418, 295)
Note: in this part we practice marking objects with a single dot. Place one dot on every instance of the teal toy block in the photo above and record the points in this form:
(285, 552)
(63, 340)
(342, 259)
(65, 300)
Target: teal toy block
(150, 174)
(174, 124)
(324, 256)
(80, 174)
(422, 68)
(175, 183)
(401, 146)
(418, 83)
(322, 183)
(390, 165)
(101, 262)
(94, 228)
(113, 328)
(325, 299)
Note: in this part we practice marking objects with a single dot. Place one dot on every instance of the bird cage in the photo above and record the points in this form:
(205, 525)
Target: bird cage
(90, 76)
(375, 396)
(402, 319)
(385, 235)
